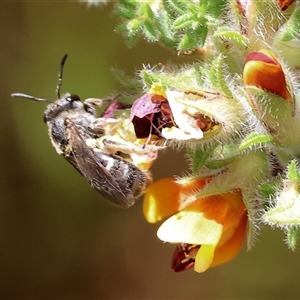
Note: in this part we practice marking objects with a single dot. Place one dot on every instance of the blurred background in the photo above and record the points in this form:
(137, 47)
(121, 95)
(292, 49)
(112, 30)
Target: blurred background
(58, 239)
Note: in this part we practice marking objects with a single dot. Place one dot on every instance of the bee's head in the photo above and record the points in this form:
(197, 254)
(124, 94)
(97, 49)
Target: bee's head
(68, 102)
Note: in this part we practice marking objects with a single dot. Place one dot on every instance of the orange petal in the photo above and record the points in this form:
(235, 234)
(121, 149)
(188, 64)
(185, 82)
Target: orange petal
(189, 186)
(164, 197)
(232, 247)
(211, 255)
(223, 208)
(161, 199)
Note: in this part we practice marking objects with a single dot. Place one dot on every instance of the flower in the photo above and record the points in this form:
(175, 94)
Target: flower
(262, 69)
(151, 113)
(209, 231)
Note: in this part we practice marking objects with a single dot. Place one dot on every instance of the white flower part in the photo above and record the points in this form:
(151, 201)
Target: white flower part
(187, 125)
(109, 125)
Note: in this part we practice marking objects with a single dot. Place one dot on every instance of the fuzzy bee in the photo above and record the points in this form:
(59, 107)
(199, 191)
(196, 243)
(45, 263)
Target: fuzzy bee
(77, 134)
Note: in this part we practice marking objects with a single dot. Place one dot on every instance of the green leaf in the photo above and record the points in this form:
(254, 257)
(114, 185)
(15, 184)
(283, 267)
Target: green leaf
(134, 25)
(218, 164)
(198, 158)
(187, 43)
(269, 189)
(254, 139)
(293, 172)
(149, 31)
(163, 25)
(183, 21)
(131, 37)
(228, 34)
(218, 77)
(178, 6)
(213, 8)
(146, 11)
(126, 9)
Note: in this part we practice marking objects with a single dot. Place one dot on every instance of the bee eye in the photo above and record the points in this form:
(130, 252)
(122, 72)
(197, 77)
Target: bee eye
(73, 97)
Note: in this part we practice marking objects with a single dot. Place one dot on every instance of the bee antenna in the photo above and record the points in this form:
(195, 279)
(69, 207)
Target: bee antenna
(21, 95)
(60, 74)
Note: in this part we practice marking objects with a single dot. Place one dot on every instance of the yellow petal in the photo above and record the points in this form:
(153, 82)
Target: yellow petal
(190, 227)
(204, 258)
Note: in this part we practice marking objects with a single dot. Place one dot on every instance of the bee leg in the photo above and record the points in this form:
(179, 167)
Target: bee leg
(114, 144)
(107, 126)
(91, 104)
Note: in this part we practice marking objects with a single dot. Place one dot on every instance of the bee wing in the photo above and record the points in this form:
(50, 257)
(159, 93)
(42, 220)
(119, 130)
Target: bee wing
(89, 164)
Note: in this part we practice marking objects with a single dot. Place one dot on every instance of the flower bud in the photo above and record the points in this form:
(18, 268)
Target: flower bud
(262, 69)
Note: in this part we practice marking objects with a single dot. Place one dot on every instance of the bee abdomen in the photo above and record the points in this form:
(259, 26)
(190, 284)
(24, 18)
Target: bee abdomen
(130, 179)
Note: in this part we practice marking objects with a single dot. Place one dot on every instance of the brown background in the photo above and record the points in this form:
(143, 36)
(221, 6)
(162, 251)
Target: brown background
(57, 238)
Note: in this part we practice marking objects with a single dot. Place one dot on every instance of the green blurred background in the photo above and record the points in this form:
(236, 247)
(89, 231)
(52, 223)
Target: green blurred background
(58, 239)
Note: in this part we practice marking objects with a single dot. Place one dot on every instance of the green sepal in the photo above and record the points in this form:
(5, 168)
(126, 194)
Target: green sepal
(292, 237)
(197, 158)
(293, 173)
(219, 163)
(290, 30)
(149, 78)
(284, 212)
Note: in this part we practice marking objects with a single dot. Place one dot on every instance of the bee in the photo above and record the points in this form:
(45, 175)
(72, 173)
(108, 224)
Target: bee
(78, 135)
